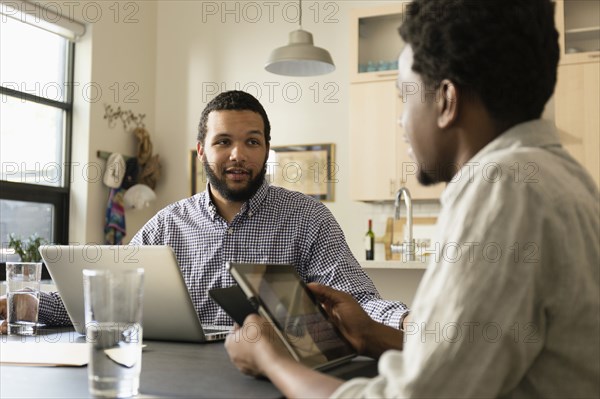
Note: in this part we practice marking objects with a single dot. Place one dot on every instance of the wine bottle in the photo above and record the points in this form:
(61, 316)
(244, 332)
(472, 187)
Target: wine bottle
(370, 242)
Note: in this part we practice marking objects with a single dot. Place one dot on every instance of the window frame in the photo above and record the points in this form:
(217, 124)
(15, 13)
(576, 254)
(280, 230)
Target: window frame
(57, 196)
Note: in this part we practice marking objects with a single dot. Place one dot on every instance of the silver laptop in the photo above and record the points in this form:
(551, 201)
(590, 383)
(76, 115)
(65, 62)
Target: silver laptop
(168, 312)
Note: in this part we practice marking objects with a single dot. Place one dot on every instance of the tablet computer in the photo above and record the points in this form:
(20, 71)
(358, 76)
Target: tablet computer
(298, 319)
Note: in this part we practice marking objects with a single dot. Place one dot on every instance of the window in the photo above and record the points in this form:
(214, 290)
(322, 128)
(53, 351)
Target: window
(36, 106)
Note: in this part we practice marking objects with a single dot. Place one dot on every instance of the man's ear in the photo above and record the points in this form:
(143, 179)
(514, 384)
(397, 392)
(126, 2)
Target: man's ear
(199, 150)
(447, 104)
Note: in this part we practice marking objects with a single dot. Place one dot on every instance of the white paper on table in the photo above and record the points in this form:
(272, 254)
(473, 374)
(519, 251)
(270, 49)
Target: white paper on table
(44, 353)
(124, 357)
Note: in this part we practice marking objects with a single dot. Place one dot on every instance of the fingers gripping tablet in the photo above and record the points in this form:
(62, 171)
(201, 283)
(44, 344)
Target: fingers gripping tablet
(298, 319)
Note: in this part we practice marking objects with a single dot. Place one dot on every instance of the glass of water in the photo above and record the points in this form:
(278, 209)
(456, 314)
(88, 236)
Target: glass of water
(22, 297)
(113, 317)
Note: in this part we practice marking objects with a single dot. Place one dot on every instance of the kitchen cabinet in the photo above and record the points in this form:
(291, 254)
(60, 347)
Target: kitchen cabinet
(373, 137)
(578, 25)
(577, 92)
(379, 161)
(374, 42)
(577, 104)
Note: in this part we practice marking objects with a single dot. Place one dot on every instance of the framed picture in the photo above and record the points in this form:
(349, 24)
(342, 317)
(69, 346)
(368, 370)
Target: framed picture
(307, 168)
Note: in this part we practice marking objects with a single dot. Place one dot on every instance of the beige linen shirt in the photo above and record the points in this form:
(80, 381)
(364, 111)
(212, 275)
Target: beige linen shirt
(510, 304)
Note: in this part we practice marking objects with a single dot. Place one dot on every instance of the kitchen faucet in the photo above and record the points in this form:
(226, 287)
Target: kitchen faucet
(407, 248)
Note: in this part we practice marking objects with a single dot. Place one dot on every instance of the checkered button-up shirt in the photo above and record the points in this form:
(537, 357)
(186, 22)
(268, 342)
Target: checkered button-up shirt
(275, 226)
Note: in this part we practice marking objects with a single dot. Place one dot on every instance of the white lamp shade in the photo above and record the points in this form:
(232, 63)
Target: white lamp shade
(300, 57)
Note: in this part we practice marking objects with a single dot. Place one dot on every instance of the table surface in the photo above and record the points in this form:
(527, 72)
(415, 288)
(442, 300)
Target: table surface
(169, 369)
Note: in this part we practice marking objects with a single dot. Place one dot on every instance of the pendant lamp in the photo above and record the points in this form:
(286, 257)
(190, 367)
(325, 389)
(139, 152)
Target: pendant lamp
(300, 57)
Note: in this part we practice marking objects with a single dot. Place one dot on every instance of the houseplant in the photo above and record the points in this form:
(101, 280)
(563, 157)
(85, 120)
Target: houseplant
(26, 249)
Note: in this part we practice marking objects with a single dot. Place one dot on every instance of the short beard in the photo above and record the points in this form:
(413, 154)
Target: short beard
(429, 176)
(425, 179)
(242, 195)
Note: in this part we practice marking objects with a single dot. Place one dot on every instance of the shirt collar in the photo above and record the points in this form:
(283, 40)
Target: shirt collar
(207, 203)
(537, 133)
(253, 204)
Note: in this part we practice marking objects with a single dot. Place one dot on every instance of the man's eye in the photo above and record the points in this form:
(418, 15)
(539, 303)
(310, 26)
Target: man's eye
(254, 142)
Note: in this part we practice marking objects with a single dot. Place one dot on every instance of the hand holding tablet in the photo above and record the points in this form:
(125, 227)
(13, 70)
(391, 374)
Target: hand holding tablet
(282, 298)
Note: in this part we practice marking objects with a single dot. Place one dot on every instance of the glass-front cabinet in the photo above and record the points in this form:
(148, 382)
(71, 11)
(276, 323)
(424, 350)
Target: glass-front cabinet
(578, 23)
(375, 43)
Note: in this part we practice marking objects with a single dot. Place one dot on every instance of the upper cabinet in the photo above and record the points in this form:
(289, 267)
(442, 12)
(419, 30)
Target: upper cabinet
(373, 139)
(577, 92)
(578, 24)
(375, 43)
(379, 160)
(576, 102)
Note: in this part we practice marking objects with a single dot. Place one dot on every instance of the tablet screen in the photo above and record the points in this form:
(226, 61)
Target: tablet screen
(294, 311)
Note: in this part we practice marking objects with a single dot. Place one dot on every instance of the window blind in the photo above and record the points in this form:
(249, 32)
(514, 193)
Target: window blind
(48, 18)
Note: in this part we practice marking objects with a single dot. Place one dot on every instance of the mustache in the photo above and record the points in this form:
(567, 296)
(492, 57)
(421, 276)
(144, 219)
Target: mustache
(224, 167)
(243, 166)
(237, 168)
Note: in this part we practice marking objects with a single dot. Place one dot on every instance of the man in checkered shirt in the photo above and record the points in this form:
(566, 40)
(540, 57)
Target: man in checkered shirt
(241, 218)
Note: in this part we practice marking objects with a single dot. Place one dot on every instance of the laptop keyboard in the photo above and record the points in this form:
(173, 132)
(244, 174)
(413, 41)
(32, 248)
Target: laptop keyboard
(209, 330)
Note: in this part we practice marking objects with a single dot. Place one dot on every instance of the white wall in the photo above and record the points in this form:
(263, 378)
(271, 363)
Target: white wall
(179, 54)
(205, 46)
(115, 64)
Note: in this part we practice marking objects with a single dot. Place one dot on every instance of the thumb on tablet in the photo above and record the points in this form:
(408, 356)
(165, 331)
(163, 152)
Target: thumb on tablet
(331, 298)
(324, 293)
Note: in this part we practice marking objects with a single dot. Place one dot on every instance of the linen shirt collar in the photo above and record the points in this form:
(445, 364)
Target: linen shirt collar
(537, 133)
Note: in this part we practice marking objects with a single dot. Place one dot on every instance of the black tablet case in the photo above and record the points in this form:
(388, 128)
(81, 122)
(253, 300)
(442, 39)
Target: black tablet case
(234, 302)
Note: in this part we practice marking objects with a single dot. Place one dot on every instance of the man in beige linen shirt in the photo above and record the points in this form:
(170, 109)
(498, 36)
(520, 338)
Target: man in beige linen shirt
(509, 305)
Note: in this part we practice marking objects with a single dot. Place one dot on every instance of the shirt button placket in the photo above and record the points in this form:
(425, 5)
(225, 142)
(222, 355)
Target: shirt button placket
(229, 244)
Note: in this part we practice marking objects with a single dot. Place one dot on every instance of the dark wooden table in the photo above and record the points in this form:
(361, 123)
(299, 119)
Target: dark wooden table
(169, 369)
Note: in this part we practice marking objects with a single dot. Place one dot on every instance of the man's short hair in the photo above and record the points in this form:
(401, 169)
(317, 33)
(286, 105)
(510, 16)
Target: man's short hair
(234, 100)
(505, 52)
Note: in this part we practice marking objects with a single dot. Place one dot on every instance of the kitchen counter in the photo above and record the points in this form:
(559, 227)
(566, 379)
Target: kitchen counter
(395, 280)
(393, 264)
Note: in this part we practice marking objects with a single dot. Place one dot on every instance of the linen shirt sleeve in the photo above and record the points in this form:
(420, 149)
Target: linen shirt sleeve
(331, 263)
(478, 320)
